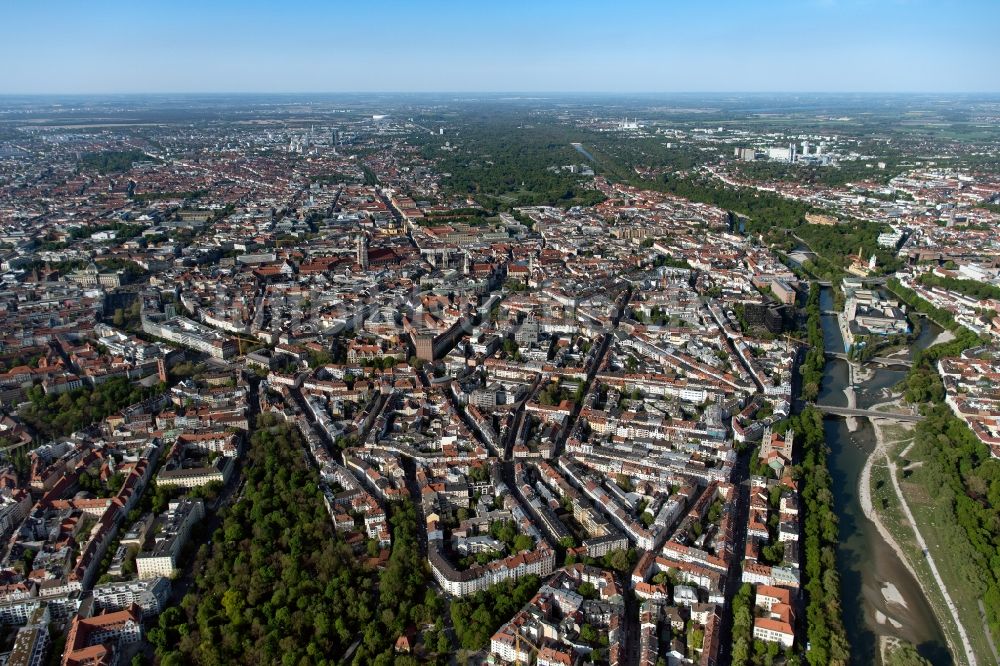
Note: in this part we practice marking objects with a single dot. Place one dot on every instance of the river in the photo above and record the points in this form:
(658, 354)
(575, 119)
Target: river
(866, 563)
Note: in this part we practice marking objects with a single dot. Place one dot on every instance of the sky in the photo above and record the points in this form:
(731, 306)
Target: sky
(109, 46)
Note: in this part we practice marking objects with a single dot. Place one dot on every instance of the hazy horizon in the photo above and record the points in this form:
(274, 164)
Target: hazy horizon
(307, 46)
(527, 94)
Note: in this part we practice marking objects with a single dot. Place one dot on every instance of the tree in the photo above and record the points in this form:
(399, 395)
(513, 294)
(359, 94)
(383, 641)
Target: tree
(696, 638)
(234, 603)
(54, 416)
(904, 654)
(741, 650)
(476, 618)
(620, 560)
(742, 624)
(286, 573)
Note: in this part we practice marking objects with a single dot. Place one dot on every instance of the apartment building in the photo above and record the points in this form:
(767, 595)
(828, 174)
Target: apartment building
(176, 524)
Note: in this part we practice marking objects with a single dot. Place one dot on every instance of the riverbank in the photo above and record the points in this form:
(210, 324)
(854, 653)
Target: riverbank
(882, 454)
(943, 337)
(865, 495)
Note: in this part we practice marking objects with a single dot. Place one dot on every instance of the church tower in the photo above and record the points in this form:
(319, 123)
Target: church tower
(363, 251)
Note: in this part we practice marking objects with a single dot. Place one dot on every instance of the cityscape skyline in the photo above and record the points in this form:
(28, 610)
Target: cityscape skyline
(502, 334)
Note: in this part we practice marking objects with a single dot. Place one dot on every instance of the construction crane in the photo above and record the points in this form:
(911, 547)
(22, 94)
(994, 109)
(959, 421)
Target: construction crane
(790, 338)
(240, 341)
(517, 646)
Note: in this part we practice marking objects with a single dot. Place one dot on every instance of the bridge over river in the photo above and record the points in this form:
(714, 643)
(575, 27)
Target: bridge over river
(881, 360)
(902, 417)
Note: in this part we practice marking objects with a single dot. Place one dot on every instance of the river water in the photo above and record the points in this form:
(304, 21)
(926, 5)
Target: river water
(866, 563)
